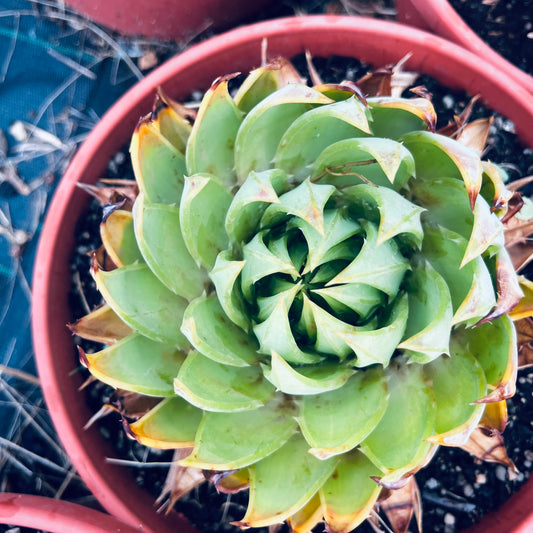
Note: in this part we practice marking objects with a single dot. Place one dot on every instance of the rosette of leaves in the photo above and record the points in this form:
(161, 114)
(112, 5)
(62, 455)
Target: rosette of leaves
(317, 286)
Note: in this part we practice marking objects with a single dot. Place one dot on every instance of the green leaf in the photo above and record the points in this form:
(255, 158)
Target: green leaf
(171, 424)
(260, 262)
(329, 331)
(158, 231)
(158, 166)
(101, 325)
(231, 483)
(306, 201)
(210, 148)
(268, 304)
(524, 308)
(224, 275)
(308, 516)
(344, 251)
(203, 210)
(216, 387)
(487, 231)
(350, 493)
(298, 252)
(118, 238)
(397, 215)
(447, 204)
(275, 334)
(339, 91)
(143, 302)
(393, 117)
(409, 419)
(326, 272)
(251, 200)
(380, 266)
(383, 162)
(494, 346)
(493, 188)
(227, 441)
(437, 156)
(263, 81)
(337, 228)
(279, 246)
(359, 404)
(170, 121)
(458, 381)
(272, 501)
(429, 324)
(263, 127)
(306, 324)
(470, 286)
(213, 334)
(137, 364)
(307, 379)
(315, 130)
(378, 345)
(508, 288)
(362, 299)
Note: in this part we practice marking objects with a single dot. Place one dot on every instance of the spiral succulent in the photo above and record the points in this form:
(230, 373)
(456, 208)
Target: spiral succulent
(299, 280)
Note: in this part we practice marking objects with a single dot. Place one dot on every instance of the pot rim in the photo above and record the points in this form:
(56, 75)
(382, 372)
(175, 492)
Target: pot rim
(193, 69)
(56, 516)
(439, 16)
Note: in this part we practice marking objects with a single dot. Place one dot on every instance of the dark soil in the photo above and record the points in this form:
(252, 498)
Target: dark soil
(456, 490)
(506, 25)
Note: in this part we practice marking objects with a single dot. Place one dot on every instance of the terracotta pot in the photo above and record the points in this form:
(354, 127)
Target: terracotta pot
(376, 42)
(166, 19)
(440, 17)
(56, 516)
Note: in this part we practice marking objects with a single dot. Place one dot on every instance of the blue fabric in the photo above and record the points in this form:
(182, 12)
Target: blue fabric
(38, 88)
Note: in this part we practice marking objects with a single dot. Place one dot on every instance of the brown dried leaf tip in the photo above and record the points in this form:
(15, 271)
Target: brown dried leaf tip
(401, 505)
(488, 445)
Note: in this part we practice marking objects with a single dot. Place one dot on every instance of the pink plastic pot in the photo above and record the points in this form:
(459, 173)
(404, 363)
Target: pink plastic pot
(166, 19)
(376, 42)
(57, 516)
(439, 17)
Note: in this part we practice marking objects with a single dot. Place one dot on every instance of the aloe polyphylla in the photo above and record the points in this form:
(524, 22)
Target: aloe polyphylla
(316, 284)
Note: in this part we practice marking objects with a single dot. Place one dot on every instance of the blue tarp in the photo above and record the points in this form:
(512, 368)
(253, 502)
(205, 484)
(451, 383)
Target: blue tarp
(59, 76)
(41, 86)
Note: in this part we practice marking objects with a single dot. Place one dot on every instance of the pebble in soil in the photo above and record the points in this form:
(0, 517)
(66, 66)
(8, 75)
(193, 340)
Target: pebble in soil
(456, 490)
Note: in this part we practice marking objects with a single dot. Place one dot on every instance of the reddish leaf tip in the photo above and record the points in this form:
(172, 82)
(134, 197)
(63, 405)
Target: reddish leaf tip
(83, 357)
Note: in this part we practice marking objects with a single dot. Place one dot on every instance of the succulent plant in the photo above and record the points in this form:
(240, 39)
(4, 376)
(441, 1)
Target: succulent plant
(317, 285)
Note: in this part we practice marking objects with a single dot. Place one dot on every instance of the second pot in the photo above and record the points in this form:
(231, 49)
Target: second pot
(438, 16)
(166, 19)
(56, 516)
